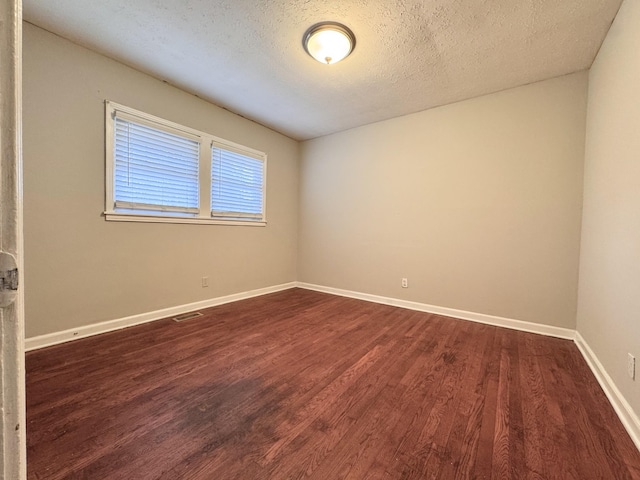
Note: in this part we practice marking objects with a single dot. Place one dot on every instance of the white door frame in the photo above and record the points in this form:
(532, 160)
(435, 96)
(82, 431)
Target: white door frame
(12, 373)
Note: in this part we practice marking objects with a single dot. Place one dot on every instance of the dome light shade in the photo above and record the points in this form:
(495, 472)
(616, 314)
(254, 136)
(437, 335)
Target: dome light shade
(329, 42)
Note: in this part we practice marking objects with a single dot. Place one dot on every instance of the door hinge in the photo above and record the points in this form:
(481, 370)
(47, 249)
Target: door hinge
(9, 279)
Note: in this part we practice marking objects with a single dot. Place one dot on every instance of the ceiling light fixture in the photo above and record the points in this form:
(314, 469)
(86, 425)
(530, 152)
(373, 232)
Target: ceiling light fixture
(329, 42)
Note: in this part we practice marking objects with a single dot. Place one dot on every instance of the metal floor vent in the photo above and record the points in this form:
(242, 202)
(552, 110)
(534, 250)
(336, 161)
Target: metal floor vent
(186, 316)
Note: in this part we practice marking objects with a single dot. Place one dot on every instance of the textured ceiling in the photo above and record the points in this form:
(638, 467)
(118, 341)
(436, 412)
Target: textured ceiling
(246, 55)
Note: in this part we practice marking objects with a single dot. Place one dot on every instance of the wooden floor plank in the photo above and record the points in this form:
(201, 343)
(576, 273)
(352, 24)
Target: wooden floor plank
(300, 384)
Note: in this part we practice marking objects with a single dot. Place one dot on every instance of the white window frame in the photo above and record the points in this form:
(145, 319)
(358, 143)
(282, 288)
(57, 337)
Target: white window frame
(206, 141)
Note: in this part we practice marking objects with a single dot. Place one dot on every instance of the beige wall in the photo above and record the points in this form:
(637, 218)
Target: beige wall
(477, 203)
(609, 292)
(81, 269)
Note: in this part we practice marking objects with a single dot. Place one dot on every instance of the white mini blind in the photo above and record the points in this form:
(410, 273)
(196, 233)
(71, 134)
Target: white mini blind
(154, 169)
(237, 184)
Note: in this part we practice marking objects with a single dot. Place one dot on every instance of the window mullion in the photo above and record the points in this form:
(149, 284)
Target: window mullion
(205, 177)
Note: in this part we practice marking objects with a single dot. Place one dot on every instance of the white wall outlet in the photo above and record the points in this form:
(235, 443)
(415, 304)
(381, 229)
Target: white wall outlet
(205, 282)
(631, 366)
(405, 283)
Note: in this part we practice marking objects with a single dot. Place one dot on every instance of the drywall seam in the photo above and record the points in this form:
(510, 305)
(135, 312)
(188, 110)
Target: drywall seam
(521, 325)
(56, 338)
(626, 414)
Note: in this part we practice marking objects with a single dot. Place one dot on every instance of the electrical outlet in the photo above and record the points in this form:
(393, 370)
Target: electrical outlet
(631, 366)
(405, 283)
(205, 282)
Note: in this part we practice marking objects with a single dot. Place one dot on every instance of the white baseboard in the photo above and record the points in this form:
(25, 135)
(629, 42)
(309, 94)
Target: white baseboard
(449, 312)
(627, 416)
(55, 338)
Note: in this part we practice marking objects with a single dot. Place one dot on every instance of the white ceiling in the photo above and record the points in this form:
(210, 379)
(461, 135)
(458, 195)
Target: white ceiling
(247, 56)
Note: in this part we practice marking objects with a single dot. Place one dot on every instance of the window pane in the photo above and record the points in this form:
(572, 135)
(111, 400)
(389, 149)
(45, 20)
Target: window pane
(155, 169)
(237, 183)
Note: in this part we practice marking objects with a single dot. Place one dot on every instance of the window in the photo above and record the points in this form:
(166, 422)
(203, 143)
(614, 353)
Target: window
(236, 183)
(159, 171)
(155, 169)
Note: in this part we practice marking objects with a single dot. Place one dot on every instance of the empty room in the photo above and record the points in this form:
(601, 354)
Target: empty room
(302, 239)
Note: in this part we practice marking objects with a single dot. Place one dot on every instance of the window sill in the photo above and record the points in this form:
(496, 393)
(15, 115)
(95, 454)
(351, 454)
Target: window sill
(170, 218)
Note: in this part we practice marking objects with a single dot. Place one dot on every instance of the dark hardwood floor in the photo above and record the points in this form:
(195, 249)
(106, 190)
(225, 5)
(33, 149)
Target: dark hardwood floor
(300, 384)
